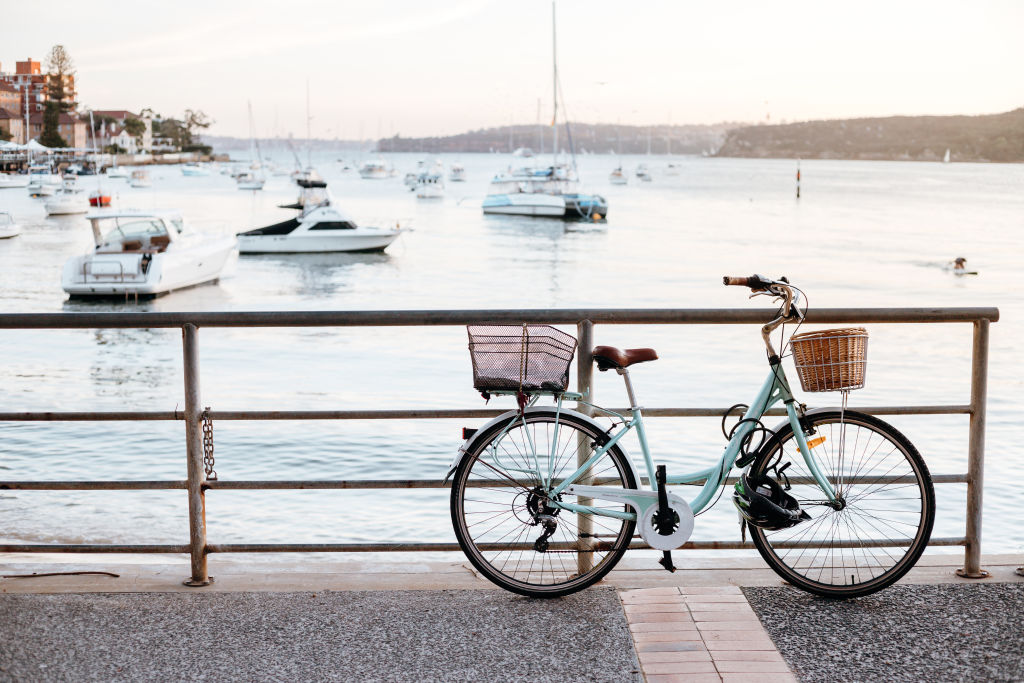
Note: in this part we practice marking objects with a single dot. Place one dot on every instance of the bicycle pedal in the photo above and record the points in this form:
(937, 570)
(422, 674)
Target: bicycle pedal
(666, 561)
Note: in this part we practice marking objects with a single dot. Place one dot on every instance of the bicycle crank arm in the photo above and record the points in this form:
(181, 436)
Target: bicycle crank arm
(645, 503)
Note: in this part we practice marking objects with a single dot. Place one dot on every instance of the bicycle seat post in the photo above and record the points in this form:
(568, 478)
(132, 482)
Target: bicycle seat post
(629, 388)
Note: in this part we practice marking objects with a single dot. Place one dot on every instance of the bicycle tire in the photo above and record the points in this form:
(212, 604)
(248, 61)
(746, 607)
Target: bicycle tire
(486, 519)
(893, 494)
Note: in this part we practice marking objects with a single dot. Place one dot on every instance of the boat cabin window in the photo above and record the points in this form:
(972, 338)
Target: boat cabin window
(132, 234)
(333, 225)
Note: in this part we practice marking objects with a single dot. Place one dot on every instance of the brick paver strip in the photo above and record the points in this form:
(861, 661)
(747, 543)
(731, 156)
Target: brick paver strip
(701, 634)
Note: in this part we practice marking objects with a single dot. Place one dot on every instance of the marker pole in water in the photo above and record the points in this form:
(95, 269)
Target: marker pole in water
(798, 179)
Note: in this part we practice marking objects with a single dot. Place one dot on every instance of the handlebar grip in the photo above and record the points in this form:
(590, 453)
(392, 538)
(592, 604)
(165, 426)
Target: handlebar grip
(755, 282)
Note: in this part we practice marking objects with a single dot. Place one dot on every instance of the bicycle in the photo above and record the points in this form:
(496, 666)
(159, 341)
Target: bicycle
(545, 501)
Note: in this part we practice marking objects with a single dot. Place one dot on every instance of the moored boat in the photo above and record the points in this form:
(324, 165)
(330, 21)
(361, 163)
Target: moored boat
(140, 178)
(8, 180)
(67, 200)
(320, 227)
(145, 254)
(8, 227)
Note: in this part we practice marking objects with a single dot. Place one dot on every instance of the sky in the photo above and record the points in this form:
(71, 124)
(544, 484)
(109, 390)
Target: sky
(378, 68)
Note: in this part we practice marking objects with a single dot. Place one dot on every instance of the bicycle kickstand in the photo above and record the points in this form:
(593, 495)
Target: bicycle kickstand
(665, 511)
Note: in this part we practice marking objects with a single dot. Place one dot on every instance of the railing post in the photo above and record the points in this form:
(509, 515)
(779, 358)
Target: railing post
(584, 384)
(976, 453)
(194, 450)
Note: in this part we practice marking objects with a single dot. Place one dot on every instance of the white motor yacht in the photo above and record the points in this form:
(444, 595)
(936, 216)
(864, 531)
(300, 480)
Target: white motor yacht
(430, 183)
(119, 172)
(320, 227)
(617, 177)
(42, 182)
(8, 228)
(140, 178)
(374, 170)
(68, 199)
(643, 174)
(13, 180)
(250, 181)
(194, 170)
(457, 173)
(145, 254)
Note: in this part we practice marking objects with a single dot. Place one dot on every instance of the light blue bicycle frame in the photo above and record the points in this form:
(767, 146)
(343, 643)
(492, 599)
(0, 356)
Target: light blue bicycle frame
(775, 389)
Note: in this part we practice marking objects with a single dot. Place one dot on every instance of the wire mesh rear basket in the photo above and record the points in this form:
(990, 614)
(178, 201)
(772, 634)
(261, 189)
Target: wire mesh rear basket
(831, 360)
(520, 357)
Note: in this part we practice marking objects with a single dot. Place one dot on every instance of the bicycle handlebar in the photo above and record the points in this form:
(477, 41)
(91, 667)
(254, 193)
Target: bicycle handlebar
(756, 282)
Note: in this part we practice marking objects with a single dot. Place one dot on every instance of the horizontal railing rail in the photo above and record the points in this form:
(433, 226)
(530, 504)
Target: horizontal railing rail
(197, 484)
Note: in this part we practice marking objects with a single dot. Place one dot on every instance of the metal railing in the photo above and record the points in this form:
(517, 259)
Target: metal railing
(197, 483)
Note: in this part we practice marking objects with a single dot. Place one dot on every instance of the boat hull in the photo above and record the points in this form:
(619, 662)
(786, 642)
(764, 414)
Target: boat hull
(363, 241)
(12, 180)
(129, 274)
(566, 207)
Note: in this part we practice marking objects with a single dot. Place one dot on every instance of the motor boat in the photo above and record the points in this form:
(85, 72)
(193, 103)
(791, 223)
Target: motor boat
(547, 192)
(643, 174)
(250, 181)
(140, 178)
(672, 168)
(320, 227)
(457, 173)
(68, 199)
(617, 177)
(194, 170)
(374, 170)
(145, 254)
(410, 180)
(8, 228)
(119, 172)
(42, 182)
(430, 185)
(13, 180)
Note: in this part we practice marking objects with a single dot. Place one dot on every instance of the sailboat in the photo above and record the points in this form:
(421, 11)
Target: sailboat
(253, 179)
(551, 191)
(945, 159)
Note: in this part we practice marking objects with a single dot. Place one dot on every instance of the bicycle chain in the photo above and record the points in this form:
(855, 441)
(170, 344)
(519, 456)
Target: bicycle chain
(208, 461)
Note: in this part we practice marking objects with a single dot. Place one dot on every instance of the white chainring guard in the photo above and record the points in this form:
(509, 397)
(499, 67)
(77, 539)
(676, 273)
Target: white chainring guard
(677, 537)
(645, 512)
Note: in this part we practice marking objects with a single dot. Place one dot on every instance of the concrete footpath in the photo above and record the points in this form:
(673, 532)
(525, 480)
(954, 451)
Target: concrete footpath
(409, 620)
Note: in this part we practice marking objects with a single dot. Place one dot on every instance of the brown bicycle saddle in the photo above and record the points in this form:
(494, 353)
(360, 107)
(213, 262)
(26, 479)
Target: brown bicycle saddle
(608, 357)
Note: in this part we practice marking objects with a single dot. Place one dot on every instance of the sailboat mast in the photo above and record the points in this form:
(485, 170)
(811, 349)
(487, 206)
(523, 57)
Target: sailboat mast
(554, 85)
(309, 136)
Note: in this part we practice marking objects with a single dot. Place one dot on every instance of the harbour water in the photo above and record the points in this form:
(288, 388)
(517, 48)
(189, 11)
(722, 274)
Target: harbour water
(863, 234)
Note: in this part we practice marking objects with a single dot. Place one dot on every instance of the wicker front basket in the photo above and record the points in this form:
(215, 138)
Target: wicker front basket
(831, 360)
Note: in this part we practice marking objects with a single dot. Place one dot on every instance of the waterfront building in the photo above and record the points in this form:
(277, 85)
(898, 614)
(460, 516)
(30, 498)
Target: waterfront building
(10, 98)
(28, 77)
(109, 132)
(11, 123)
(74, 130)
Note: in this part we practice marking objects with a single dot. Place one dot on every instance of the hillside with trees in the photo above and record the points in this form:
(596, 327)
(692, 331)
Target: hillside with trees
(585, 137)
(993, 137)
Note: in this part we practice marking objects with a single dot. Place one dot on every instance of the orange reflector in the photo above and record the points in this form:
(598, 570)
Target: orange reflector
(816, 442)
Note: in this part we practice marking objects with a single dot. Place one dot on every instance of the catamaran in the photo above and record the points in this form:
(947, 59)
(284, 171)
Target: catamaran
(550, 191)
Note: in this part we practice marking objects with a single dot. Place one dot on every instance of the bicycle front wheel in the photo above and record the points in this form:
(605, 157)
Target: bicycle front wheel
(884, 517)
(503, 514)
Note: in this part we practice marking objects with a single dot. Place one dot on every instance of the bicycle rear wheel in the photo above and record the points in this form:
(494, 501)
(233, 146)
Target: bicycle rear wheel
(502, 516)
(884, 519)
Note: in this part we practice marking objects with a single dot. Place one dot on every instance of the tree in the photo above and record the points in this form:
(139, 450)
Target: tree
(135, 127)
(51, 119)
(59, 66)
